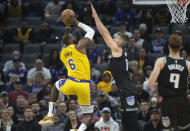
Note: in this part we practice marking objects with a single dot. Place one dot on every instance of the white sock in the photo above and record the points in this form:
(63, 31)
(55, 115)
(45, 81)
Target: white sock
(82, 127)
(51, 107)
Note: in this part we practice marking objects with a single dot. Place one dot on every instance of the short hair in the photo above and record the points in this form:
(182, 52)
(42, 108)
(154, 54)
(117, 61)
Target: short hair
(124, 37)
(175, 42)
(27, 107)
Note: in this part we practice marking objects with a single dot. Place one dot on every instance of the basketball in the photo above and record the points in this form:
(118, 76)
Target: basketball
(65, 14)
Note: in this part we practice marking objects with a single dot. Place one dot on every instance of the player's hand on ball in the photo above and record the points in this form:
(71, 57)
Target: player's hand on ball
(71, 20)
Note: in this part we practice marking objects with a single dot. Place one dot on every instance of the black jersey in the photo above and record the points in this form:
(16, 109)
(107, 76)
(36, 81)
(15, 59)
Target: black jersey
(119, 70)
(172, 80)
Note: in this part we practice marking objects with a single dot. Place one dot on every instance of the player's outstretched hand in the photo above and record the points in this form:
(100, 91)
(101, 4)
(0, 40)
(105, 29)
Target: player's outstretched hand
(72, 20)
(94, 14)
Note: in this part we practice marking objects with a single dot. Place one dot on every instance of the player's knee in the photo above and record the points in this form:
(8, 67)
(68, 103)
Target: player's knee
(87, 109)
(60, 83)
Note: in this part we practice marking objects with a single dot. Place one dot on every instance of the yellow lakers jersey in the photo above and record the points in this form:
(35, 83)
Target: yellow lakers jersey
(77, 64)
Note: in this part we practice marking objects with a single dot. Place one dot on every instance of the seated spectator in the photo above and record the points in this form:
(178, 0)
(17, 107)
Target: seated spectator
(97, 111)
(106, 122)
(93, 54)
(134, 66)
(72, 105)
(10, 64)
(146, 87)
(108, 7)
(5, 97)
(44, 94)
(23, 34)
(32, 98)
(132, 50)
(6, 121)
(115, 92)
(54, 64)
(158, 45)
(17, 70)
(2, 105)
(144, 114)
(95, 74)
(155, 123)
(141, 93)
(126, 14)
(29, 123)
(11, 82)
(15, 8)
(122, 29)
(57, 126)
(12, 115)
(139, 42)
(62, 112)
(34, 8)
(53, 8)
(145, 33)
(117, 113)
(184, 54)
(104, 85)
(70, 4)
(161, 17)
(38, 84)
(38, 67)
(154, 100)
(36, 111)
(42, 34)
(104, 100)
(72, 121)
(18, 92)
(94, 91)
(19, 108)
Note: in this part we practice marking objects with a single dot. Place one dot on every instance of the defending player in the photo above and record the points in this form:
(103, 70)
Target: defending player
(78, 81)
(119, 70)
(172, 73)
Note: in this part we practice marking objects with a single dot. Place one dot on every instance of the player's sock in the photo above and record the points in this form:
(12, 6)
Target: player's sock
(51, 107)
(82, 127)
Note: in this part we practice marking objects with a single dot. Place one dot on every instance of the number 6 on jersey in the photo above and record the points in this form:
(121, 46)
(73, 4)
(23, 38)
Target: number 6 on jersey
(174, 78)
(71, 64)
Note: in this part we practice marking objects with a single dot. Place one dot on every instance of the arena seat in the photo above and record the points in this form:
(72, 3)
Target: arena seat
(14, 21)
(33, 20)
(9, 48)
(102, 67)
(49, 47)
(32, 48)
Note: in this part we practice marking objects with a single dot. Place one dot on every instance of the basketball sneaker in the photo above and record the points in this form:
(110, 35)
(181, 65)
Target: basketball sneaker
(47, 121)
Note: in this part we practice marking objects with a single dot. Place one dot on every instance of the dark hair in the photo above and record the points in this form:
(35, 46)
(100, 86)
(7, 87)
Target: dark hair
(175, 42)
(27, 107)
(34, 103)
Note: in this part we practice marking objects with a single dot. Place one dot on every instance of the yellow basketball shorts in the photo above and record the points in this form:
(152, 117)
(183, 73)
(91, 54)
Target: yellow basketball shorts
(81, 88)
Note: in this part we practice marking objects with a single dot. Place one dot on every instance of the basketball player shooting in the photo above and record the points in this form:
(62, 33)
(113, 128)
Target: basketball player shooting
(78, 82)
(172, 73)
(119, 70)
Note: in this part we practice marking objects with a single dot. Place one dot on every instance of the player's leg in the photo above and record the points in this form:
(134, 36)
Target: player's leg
(85, 102)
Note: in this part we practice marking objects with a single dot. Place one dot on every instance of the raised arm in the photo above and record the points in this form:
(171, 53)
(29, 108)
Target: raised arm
(156, 71)
(105, 33)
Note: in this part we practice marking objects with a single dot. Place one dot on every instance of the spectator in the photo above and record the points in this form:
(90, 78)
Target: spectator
(97, 111)
(141, 93)
(32, 98)
(158, 46)
(122, 29)
(126, 14)
(132, 51)
(144, 114)
(29, 123)
(70, 4)
(38, 84)
(62, 112)
(108, 7)
(34, 8)
(42, 34)
(3, 86)
(19, 108)
(95, 74)
(117, 113)
(115, 92)
(134, 66)
(4, 96)
(72, 105)
(18, 92)
(104, 100)
(145, 33)
(139, 42)
(184, 54)
(161, 17)
(12, 115)
(53, 8)
(146, 87)
(38, 67)
(57, 126)
(155, 123)
(15, 8)
(154, 100)
(23, 34)
(36, 111)
(94, 91)
(17, 70)
(93, 54)
(104, 85)
(2, 105)
(54, 64)
(72, 121)
(10, 64)
(6, 123)
(106, 122)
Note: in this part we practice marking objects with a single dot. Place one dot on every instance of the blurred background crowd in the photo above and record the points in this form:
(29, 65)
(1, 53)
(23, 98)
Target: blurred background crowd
(30, 42)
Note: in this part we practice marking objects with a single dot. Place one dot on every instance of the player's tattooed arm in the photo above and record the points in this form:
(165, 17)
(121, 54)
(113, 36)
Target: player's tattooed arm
(156, 71)
(116, 51)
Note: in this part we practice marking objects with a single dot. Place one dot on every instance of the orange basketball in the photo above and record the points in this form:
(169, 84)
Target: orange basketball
(65, 14)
